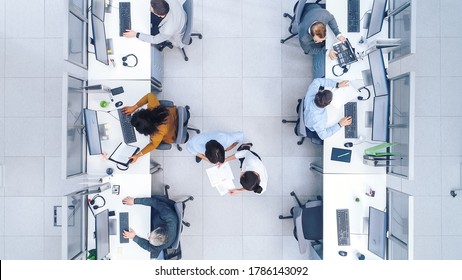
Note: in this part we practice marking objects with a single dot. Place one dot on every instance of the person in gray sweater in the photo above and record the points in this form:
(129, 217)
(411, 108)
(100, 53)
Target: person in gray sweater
(312, 36)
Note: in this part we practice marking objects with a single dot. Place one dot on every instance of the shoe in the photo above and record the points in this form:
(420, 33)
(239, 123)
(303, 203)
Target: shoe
(245, 146)
(198, 159)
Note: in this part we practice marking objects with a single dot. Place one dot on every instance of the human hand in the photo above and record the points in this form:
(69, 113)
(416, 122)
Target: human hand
(218, 164)
(345, 121)
(128, 110)
(343, 83)
(233, 192)
(128, 200)
(129, 234)
(134, 158)
(332, 54)
(341, 38)
(129, 33)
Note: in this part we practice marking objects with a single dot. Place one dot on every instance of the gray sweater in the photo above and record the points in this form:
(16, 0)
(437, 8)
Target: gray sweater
(314, 13)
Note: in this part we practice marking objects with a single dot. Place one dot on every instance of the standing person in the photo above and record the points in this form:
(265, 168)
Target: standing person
(212, 146)
(253, 173)
(315, 114)
(159, 122)
(168, 22)
(312, 36)
(164, 223)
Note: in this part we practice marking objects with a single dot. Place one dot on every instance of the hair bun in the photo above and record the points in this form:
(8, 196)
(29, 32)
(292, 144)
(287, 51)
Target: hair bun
(258, 189)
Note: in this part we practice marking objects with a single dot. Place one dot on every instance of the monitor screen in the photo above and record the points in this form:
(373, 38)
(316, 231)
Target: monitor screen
(378, 72)
(102, 234)
(99, 40)
(92, 132)
(380, 119)
(377, 235)
(377, 16)
(97, 8)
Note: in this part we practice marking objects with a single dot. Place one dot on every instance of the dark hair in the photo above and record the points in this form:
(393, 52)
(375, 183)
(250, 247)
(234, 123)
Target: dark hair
(146, 121)
(323, 98)
(161, 7)
(214, 151)
(251, 182)
(318, 29)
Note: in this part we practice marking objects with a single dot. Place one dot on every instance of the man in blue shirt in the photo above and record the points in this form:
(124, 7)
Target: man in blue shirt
(211, 146)
(316, 100)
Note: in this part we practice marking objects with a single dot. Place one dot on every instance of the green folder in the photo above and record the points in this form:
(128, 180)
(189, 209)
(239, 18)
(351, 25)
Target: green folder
(379, 150)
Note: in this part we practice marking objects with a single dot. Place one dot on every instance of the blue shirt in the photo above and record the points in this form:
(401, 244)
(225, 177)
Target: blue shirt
(196, 145)
(315, 117)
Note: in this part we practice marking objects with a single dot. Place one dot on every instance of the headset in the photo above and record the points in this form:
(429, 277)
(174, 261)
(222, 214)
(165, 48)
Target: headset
(368, 94)
(344, 69)
(125, 59)
(93, 202)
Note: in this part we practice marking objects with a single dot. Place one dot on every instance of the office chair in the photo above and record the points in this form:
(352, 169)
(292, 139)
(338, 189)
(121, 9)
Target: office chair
(297, 16)
(187, 37)
(182, 135)
(300, 128)
(174, 251)
(307, 220)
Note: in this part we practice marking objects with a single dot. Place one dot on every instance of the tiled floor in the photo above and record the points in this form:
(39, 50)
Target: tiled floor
(239, 77)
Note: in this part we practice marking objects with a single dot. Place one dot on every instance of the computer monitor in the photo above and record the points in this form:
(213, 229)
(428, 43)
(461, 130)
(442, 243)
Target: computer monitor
(99, 39)
(378, 72)
(377, 234)
(377, 16)
(102, 234)
(92, 132)
(98, 8)
(380, 118)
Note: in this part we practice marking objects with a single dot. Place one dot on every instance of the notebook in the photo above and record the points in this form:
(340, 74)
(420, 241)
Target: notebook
(342, 155)
(122, 154)
(221, 178)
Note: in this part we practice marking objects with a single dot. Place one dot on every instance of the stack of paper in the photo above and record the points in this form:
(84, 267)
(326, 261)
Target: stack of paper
(221, 178)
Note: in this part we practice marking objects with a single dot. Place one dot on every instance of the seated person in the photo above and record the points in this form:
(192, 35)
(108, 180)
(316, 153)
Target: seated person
(172, 18)
(315, 113)
(253, 173)
(211, 146)
(312, 36)
(164, 223)
(160, 122)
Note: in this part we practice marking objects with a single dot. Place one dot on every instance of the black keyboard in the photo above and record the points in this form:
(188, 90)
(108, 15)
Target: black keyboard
(353, 15)
(343, 227)
(125, 21)
(123, 225)
(128, 131)
(351, 131)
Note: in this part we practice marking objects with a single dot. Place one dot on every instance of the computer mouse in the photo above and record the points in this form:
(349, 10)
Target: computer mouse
(342, 253)
(119, 103)
(348, 144)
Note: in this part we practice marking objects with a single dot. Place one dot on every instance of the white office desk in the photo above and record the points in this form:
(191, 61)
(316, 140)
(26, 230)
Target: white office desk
(139, 215)
(133, 91)
(141, 22)
(340, 192)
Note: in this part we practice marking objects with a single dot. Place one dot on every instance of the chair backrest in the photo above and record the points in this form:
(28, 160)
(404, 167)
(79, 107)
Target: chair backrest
(183, 119)
(298, 11)
(308, 223)
(300, 128)
(188, 8)
(179, 211)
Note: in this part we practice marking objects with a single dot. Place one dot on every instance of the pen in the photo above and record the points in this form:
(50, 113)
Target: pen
(342, 155)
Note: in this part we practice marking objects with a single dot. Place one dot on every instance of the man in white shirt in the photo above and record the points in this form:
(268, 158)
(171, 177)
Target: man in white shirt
(172, 23)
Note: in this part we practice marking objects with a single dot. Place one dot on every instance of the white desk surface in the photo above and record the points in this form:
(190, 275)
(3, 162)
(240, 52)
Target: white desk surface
(133, 91)
(139, 215)
(339, 192)
(141, 22)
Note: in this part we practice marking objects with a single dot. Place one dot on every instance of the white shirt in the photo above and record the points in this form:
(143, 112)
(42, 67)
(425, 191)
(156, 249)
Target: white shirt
(253, 163)
(196, 145)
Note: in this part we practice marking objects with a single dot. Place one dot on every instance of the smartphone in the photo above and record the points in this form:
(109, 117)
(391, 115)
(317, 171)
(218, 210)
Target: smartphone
(117, 90)
(116, 189)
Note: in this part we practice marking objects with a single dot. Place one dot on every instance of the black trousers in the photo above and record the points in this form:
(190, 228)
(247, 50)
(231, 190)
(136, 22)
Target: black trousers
(155, 21)
(248, 149)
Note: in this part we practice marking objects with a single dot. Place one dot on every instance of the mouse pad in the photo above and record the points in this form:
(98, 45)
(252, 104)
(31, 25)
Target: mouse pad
(342, 155)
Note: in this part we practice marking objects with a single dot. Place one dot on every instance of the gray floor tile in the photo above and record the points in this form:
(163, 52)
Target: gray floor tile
(262, 247)
(261, 57)
(428, 21)
(2, 216)
(53, 134)
(24, 248)
(192, 247)
(298, 177)
(429, 99)
(52, 248)
(273, 168)
(451, 132)
(222, 216)
(191, 180)
(53, 97)
(16, 184)
(428, 221)
(295, 63)
(54, 59)
(451, 96)
(261, 215)
(424, 56)
(2, 247)
(223, 18)
(452, 247)
(25, 216)
(265, 134)
(451, 211)
(451, 174)
(2, 55)
(54, 17)
(19, 91)
(449, 17)
(261, 18)
(428, 142)
(292, 90)
(449, 65)
(290, 145)
(2, 137)
(262, 97)
(427, 177)
(219, 123)
(223, 248)
(17, 13)
(427, 248)
(20, 56)
(17, 143)
(222, 97)
(176, 66)
(185, 91)
(2, 21)
(194, 215)
(224, 57)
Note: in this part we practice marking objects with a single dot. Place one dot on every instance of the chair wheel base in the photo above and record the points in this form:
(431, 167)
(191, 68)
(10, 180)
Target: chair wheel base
(285, 14)
(299, 142)
(281, 217)
(191, 198)
(284, 121)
